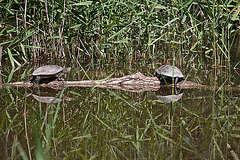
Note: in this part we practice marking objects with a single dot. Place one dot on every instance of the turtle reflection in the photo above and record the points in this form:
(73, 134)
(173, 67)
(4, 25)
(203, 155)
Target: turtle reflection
(166, 95)
(45, 99)
(48, 95)
(169, 98)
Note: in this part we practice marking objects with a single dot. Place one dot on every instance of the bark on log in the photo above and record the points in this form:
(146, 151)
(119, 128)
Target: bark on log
(133, 83)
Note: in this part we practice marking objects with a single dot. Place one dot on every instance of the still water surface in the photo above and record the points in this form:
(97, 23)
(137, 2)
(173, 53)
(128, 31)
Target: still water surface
(86, 123)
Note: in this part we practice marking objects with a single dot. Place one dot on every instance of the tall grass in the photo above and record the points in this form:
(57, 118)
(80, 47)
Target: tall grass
(118, 30)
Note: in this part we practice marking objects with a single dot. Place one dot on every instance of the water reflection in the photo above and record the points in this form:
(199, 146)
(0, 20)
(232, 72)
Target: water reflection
(48, 95)
(167, 94)
(169, 98)
(0, 78)
(46, 99)
(122, 123)
(1, 67)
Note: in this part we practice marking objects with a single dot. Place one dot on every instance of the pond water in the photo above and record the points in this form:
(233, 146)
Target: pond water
(114, 124)
(97, 123)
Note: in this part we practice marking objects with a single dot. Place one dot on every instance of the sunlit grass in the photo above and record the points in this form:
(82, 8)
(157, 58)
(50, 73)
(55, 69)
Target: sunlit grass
(116, 30)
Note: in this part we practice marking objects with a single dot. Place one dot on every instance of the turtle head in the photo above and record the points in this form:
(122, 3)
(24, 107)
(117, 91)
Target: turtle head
(155, 74)
(68, 69)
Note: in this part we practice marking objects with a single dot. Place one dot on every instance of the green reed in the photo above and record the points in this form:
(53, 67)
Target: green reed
(117, 30)
(110, 124)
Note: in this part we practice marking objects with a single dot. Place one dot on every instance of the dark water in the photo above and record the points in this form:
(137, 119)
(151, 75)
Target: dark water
(113, 124)
(87, 123)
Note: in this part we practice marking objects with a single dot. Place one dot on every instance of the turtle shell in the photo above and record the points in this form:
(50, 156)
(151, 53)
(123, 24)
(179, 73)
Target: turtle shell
(47, 70)
(45, 99)
(169, 98)
(165, 73)
(169, 71)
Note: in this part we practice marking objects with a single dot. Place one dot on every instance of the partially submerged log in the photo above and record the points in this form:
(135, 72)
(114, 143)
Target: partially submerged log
(134, 83)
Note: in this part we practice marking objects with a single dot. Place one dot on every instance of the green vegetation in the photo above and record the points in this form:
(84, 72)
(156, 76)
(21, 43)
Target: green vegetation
(118, 30)
(116, 38)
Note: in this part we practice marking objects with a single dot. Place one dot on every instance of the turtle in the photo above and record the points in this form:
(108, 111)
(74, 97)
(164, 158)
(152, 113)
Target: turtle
(48, 73)
(169, 98)
(166, 73)
(45, 99)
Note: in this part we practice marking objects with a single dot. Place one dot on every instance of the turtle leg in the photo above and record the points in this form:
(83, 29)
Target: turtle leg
(35, 80)
(38, 79)
(175, 84)
(30, 80)
(160, 78)
(60, 76)
(164, 80)
(176, 80)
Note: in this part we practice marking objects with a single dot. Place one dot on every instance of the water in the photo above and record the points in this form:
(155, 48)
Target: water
(114, 124)
(98, 123)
